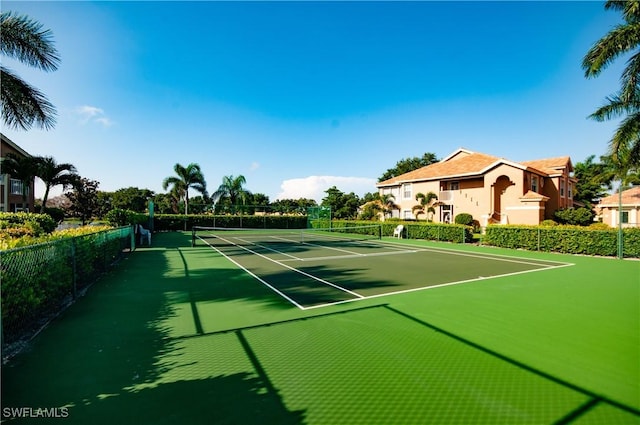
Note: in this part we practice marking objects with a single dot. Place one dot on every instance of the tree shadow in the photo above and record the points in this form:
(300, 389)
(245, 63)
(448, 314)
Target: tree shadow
(108, 356)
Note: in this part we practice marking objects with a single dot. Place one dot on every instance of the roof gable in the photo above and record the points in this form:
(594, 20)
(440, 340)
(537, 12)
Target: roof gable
(466, 163)
(629, 197)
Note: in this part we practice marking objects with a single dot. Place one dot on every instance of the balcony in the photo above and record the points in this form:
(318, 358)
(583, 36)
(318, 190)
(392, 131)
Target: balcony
(446, 196)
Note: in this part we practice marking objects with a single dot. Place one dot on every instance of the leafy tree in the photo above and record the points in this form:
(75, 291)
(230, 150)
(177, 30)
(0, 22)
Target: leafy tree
(376, 203)
(409, 164)
(131, 198)
(84, 198)
(24, 39)
(293, 206)
(165, 203)
(21, 168)
(425, 205)
(575, 216)
(232, 191)
(594, 179)
(625, 104)
(189, 177)
(343, 206)
(53, 174)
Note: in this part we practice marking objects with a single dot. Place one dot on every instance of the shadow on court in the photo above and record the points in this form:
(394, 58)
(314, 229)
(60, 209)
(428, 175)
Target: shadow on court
(112, 358)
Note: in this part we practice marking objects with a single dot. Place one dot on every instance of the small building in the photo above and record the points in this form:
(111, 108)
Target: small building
(11, 199)
(608, 208)
(491, 189)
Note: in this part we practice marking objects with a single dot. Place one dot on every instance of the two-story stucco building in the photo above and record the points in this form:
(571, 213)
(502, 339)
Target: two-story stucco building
(491, 189)
(10, 188)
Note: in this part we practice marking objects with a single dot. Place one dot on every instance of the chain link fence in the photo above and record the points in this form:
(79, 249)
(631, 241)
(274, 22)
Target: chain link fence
(39, 281)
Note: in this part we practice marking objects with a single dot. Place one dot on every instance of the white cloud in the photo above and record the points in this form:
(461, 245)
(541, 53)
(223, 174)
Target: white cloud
(314, 187)
(93, 114)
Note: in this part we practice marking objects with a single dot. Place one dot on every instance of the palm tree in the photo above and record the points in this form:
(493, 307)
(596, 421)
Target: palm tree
(622, 39)
(231, 189)
(53, 174)
(189, 177)
(23, 168)
(425, 205)
(24, 39)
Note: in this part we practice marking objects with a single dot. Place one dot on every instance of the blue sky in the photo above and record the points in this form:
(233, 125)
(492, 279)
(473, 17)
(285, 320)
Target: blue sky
(300, 96)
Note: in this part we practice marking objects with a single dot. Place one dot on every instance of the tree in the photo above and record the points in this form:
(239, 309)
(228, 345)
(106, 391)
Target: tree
(343, 206)
(131, 198)
(594, 179)
(376, 203)
(23, 168)
(24, 39)
(408, 164)
(425, 205)
(53, 174)
(84, 198)
(622, 39)
(189, 177)
(231, 190)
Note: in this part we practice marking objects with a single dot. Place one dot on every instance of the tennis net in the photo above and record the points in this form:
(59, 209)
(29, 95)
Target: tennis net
(220, 236)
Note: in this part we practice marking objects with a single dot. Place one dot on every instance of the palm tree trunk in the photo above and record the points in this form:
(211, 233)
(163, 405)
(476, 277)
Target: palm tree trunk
(44, 199)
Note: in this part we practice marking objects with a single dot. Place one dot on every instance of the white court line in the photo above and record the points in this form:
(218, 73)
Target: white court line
(254, 275)
(479, 255)
(359, 255)
(423, 288)
(326, 282)
(270, 249)
(322, 246)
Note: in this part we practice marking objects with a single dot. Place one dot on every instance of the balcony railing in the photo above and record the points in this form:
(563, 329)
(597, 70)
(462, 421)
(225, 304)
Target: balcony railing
(446, 196)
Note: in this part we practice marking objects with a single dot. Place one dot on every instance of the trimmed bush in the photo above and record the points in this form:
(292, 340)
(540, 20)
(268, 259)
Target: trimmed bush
(564, 239)
(464, 218)
(419, 230)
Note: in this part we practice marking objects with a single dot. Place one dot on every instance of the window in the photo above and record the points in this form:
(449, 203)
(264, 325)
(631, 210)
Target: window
(562, 188)
(534, 184)
(454, 186)
(406, 191)
(570, 186)
(16, 187)
(446, 213)
(407, 215)
(625, 217)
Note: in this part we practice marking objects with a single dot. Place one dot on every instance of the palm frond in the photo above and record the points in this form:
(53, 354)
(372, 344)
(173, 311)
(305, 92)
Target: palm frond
(24, 40)
(618, 41)
(23, 105)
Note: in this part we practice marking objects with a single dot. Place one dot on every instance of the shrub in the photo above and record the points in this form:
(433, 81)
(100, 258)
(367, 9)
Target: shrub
(576, 216)
(464, 219)
(548, 223)
(57, 214)
(13, 220)
(599, 226)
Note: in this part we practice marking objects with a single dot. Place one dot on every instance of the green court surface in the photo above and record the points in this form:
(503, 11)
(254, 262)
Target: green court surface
(375, 332)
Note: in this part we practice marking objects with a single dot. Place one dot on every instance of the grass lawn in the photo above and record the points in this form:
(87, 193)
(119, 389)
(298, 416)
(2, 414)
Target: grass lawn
(181, 335)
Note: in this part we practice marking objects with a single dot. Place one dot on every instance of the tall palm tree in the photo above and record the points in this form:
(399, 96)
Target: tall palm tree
(425, 206)
(232, 189)
(622, 39)
(24, 39)
(23, 168)
(189, 177)
(54, 174)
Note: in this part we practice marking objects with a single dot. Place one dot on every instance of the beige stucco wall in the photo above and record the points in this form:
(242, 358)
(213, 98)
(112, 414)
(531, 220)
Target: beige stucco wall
(610, 216)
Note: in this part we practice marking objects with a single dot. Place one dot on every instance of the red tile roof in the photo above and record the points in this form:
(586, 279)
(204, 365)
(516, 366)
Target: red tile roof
(462, 163)
(629, 197)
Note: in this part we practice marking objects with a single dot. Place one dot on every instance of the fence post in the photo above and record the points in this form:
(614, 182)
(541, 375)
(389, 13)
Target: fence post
(73, 268)
(133, 237)
(538, 238)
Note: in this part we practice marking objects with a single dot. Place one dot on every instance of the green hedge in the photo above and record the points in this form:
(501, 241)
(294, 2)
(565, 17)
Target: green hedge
(164, 222)
(565, 239)
(418, 230)
(37, 280)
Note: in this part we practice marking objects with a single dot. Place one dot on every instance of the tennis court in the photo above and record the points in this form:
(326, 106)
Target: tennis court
(438, 334)
(322, 267)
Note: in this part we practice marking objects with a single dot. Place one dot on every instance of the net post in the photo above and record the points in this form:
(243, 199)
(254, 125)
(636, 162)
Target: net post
(193, 236)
